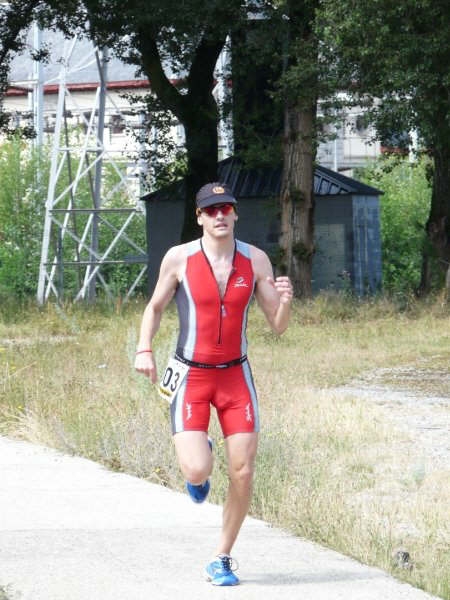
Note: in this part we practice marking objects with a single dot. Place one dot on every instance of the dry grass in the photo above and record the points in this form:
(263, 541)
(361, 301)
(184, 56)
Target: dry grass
(4, 593)
(331, 467)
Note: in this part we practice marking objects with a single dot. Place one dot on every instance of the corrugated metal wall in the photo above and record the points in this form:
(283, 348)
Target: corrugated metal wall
(367, 244)
(333, 260)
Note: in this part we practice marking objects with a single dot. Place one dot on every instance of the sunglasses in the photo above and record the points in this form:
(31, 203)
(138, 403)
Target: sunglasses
(213, 210)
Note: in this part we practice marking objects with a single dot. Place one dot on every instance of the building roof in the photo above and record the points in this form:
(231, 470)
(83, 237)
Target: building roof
(82, 67)
(266, 182)
(247, 183)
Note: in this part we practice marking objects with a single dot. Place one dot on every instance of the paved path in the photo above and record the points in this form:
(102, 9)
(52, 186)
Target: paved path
(71, 530)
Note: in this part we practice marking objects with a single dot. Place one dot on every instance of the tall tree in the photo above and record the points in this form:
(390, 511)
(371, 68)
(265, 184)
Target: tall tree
(280, 122)
(176, 45)
(307, 78)
(300, 89)
(398, 54)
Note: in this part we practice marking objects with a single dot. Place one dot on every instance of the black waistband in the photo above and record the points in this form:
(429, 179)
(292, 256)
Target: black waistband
(200, 365)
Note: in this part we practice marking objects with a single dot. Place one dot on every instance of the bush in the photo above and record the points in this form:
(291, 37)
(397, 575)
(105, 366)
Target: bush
(22, 206)
(404, 211)
(24, 176)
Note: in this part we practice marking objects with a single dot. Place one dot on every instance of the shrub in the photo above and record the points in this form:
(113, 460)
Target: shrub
(22, 206)
(404, 211)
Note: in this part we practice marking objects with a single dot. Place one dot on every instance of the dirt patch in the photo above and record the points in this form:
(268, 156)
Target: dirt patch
(415, 399)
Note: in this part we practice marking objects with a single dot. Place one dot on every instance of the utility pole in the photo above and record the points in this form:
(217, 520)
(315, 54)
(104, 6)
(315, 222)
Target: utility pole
(102, 62)
(38, 88)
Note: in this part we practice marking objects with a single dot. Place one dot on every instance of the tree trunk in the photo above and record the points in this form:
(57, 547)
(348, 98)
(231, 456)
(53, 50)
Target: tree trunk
(297, 198)
(197, 111)
(437, 251)
(201, 147)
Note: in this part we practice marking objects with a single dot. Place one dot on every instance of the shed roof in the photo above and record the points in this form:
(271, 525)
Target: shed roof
(247, 183)
(266, 182)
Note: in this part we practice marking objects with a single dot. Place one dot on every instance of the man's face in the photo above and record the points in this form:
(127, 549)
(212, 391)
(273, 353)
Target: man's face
(217, 220)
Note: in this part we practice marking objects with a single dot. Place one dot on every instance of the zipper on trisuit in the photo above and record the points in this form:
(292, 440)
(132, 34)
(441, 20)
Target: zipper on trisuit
(222, 309)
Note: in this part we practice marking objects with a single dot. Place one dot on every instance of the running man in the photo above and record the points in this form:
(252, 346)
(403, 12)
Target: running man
(213, 280)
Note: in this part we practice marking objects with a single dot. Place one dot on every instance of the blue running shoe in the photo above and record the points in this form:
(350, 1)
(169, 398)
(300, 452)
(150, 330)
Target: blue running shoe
(199, 492)
(220, 571)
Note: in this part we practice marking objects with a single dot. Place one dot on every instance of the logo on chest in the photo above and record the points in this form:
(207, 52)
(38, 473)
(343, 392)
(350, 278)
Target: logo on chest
(240, 282)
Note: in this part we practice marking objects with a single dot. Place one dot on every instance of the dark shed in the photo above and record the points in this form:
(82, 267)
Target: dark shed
(347, 223)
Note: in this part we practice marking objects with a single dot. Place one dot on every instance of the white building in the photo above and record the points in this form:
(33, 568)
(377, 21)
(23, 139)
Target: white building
(353, 143)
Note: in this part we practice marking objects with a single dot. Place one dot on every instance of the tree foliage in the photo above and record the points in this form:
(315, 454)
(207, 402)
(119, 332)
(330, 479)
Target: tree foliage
(396, 56)
(21, 219)
(176, 46)
(405, 206)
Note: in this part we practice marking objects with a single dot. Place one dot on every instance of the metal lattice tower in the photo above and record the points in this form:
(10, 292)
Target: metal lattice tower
(72, 227)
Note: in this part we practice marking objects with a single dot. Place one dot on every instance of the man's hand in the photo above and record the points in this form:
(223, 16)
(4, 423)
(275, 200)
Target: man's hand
(284, 288)
(144, 363)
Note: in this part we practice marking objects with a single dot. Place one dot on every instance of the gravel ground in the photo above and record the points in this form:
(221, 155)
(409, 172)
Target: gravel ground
(416, 400)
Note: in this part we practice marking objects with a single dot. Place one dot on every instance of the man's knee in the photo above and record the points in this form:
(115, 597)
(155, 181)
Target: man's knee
(196, 472)
(242, 473)
(194, 455)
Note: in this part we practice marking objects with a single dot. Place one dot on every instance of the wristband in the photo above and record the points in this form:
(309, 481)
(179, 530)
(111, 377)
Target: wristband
(143, 351)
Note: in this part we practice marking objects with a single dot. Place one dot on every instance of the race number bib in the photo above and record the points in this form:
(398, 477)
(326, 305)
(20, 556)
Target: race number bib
(172, 379)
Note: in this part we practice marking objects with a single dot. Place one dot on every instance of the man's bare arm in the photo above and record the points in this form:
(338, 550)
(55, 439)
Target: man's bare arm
(166, 285)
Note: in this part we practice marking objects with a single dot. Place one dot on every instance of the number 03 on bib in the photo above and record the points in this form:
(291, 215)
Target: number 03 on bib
(172, 379)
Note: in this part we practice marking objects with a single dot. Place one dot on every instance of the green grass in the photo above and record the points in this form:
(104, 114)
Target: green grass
(350, 479)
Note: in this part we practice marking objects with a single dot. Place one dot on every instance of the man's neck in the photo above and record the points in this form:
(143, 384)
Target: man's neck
(218, 248)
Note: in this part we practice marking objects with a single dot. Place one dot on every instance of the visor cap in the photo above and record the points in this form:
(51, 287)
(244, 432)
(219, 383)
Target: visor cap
(214, 193)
